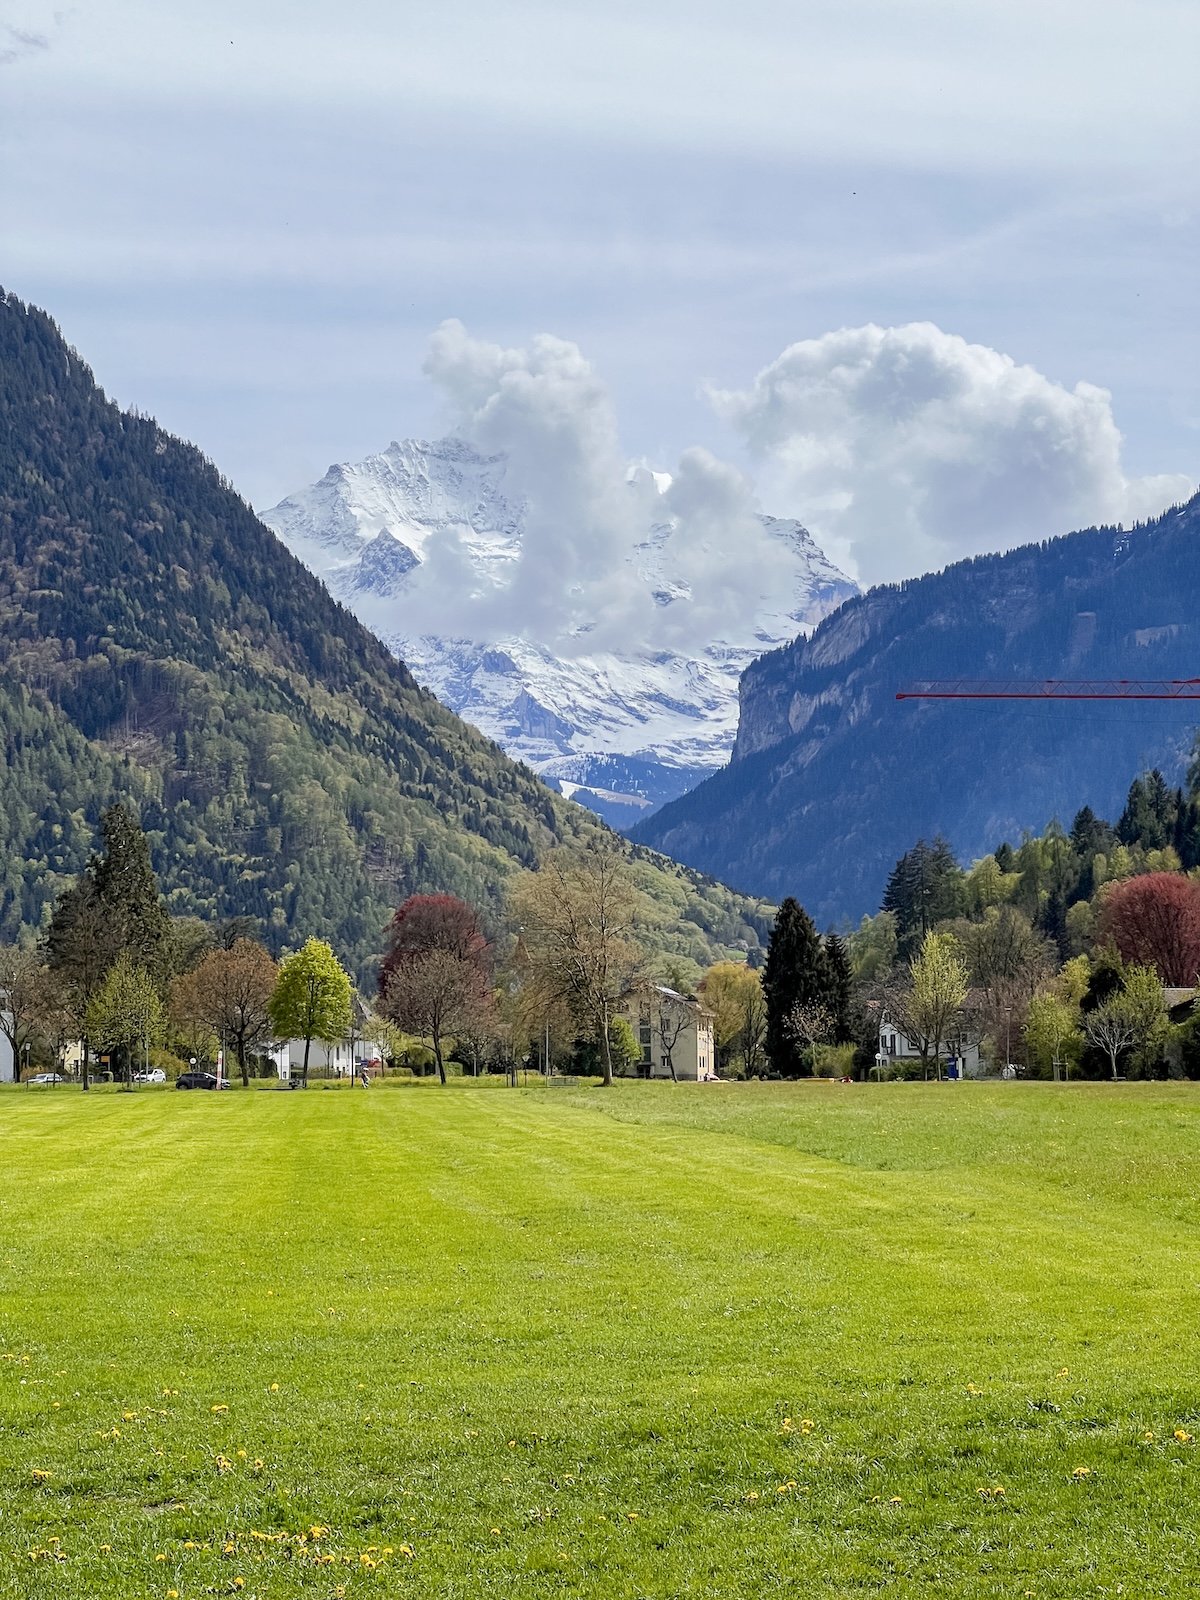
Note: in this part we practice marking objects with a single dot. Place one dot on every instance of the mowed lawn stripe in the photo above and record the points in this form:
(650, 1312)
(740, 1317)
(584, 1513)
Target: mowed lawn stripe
(759, 1368)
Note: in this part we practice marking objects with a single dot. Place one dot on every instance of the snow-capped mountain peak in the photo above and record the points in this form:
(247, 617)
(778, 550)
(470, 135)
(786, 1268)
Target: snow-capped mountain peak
(426, 529)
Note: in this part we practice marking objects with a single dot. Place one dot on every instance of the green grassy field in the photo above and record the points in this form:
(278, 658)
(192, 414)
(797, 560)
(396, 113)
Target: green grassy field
(659, 1341)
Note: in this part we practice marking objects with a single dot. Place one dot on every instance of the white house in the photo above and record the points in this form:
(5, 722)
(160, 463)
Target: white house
(669, 1024)
(339, 1060)
(894, 1047)
(6, 1057)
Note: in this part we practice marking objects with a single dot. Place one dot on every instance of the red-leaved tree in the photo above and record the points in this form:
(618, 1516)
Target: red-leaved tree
(1154, 921)
(435, 979)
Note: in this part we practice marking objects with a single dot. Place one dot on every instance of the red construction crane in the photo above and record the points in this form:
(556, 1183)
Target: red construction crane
(1054, 689)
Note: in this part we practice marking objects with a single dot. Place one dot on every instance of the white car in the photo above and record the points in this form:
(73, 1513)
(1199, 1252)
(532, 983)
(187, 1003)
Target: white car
(155, 1075)
(47, 1077)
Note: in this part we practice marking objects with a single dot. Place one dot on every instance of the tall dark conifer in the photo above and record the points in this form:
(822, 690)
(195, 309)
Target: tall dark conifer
(1150, 812)
(839, 981)
(925, 887)
(126, 884)
(794, 974)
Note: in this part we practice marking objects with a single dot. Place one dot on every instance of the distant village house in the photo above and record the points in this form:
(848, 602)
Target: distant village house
(666, 1024)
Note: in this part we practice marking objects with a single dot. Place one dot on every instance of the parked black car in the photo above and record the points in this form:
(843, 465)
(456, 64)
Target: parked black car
(196, 1080)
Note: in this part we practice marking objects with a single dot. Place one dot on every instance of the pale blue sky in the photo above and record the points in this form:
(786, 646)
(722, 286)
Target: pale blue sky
(250, 218)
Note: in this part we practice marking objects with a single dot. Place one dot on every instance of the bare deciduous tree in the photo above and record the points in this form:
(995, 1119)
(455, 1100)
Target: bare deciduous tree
(437, 995)
(435, 978)
(577, 915)
(230, 992)
(22, 995)
(1111, 1028)
(672, 1016)
(810, 1025)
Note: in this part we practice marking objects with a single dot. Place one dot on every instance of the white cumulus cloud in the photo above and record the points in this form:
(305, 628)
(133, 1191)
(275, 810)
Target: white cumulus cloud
(904, 448)
(593, 527)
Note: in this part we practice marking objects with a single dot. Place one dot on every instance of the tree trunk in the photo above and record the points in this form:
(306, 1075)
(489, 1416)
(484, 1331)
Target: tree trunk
(671, 1067)
(1114, 1054)
(436, 1036)
(605, 1046)
(304, 1074)
(241, 1053)
(86, 1080)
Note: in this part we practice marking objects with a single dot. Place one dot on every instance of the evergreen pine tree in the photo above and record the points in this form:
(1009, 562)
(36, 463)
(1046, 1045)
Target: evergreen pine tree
(925, 887)
(795, 974)
(1150, 812)
(1089, 833)
(838, 984)
(127, 887)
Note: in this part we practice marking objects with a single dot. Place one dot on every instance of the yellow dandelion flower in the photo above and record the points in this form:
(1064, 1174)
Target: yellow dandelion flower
(105, 1548)
(40, 1475)
(172, 1594)
(1149, 1437)
(1065, 1372)
(753, 1495)
(1183, 1436)
(340, 1592)
(1082, 1472)
(274, 1388)
(160, 1558)
(129, 1416)
(258, 1466)
(241, 1455)
(895, 1501)
(632, 1515)
(216, 1410)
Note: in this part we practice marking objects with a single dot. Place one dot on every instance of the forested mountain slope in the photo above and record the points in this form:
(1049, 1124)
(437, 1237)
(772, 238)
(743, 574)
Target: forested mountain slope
(832, 779)
(158, 644)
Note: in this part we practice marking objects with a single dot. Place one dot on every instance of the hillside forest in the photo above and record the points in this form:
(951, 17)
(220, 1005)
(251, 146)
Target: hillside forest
(161, 649)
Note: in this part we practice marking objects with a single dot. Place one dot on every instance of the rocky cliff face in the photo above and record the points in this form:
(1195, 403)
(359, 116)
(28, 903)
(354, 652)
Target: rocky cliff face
(832, 778)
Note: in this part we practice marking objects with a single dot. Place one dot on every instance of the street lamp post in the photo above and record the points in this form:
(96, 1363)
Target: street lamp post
(1007, 1038)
